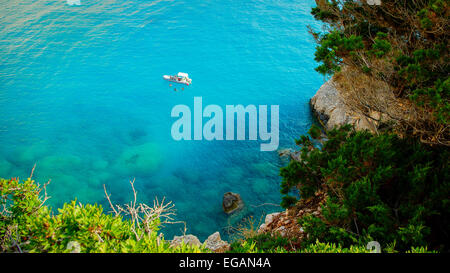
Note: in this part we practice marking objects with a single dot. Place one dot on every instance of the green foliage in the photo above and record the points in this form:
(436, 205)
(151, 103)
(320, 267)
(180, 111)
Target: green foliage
(420, 250)
(378, 187)
(381, 46)
(244, 247)
(433, 95)
(332, 47)
(26, 225)
(381, 187)
(261, 243)
(319, 247)
(411, 35)
(315, 131)
(265, 243)
(29, 226)
(287, 200)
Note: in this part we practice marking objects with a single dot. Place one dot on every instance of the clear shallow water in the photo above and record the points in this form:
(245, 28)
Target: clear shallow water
(82, 96)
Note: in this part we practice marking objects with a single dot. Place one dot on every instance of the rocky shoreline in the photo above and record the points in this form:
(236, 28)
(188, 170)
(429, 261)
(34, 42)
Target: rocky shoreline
(213, 242)
(329, 107)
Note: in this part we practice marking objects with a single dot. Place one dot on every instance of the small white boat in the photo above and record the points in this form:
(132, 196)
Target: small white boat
(179, 78)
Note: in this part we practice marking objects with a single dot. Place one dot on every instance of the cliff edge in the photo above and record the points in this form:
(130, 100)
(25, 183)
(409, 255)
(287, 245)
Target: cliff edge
(330, 109)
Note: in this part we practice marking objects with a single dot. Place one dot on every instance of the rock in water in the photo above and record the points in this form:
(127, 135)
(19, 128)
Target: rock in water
(232, 202)
(216, 244)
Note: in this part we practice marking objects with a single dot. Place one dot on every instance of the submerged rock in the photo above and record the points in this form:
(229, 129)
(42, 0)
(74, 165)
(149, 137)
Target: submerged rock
(232, 202)
(5, 167)
(140, 160)
(267, 169)
(216, 244)
(261, 186)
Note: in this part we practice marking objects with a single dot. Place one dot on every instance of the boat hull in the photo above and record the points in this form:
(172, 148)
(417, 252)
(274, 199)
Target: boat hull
(168, 78)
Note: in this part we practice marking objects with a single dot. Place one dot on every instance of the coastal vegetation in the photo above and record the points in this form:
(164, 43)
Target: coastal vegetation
(377, 188)
(391, 185)
(398, 54)
(28, 225)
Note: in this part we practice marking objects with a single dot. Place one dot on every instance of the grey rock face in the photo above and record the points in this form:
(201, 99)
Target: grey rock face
(187, 239)
(216, 244)
(329, 107)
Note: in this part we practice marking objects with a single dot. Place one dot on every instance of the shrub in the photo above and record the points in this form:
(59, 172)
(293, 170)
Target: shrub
(378, 187)
(263, 242)
(27, 225)
(403, 44)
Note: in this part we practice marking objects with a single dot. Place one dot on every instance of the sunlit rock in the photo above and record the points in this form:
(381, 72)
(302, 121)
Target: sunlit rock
(216, 244)
(330, 108)
(187, 239)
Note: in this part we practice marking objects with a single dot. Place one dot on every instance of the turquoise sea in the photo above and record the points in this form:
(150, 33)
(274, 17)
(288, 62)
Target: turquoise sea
(82, 96)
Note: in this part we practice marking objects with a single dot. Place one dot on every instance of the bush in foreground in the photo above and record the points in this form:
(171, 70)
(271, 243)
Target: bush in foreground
(27, 225)
(266, 243)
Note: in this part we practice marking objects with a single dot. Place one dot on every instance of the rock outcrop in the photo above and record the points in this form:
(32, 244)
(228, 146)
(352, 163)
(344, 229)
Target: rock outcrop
(216, 244)
(285, 223)
(232, 202)
(187, 239)
(268, 220)
(282, 224)
(213, 243)
(329, 107)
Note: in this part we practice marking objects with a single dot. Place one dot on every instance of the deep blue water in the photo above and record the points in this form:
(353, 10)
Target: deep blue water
(82, 96)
